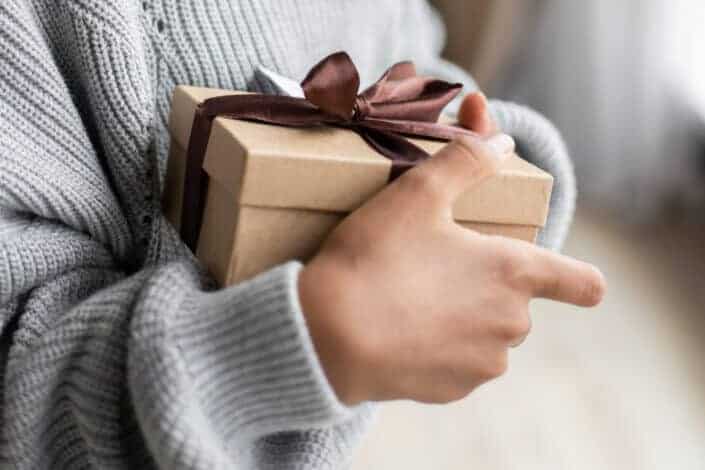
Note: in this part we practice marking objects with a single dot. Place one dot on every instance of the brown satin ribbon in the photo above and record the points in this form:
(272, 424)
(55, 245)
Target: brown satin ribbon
(399, 104)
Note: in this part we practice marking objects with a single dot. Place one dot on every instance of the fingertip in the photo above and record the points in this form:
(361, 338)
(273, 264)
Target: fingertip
(564, 279)
(474, 114)
(476, 101)
(591, 286)
(596, 288)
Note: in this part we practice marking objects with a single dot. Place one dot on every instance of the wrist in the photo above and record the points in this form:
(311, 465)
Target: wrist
(325, 300)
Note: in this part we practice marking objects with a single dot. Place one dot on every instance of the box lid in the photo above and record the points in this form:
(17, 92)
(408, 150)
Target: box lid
(333, 169)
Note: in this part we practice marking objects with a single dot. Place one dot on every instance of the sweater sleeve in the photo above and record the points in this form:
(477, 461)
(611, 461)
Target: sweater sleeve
(225, 374)
(104, 364)
(111, 370)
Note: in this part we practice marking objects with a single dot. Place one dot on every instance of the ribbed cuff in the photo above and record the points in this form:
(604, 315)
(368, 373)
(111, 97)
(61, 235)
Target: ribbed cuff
(248, 350)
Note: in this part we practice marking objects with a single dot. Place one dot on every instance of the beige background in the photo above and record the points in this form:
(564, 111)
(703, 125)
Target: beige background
(483, 34)
(619, 387)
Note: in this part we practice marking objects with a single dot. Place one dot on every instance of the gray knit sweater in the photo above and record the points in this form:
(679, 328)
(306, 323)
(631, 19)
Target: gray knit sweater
(115, 351)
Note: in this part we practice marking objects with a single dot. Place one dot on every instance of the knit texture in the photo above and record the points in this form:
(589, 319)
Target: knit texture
(115, 350)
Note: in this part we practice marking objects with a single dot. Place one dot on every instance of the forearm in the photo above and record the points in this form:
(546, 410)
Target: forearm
(237, 363)
(155, 367)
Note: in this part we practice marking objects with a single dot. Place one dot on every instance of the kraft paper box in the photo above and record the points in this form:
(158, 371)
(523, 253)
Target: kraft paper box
(275, 192)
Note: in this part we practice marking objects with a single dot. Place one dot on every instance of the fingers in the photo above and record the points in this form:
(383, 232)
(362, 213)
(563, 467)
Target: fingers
(457, 167)
(474, 115)
(557, 277)
(519, 339)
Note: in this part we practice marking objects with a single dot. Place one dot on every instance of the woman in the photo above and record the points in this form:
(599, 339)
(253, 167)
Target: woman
(115, 354)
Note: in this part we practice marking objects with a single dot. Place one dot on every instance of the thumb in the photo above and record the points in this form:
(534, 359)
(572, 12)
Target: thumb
(462, 164)
(474, 115)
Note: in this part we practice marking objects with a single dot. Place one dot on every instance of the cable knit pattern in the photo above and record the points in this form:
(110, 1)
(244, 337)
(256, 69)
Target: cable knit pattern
(115, 350)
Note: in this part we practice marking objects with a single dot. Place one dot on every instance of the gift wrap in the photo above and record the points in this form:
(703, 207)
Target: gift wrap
(275, 192)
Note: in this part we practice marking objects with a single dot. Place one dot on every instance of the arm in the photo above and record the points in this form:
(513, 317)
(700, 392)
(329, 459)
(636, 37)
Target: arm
(404, 303)
(105, 361)
(106, 365)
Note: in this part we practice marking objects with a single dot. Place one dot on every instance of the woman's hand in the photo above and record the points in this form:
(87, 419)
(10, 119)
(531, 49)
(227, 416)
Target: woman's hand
(403, 303)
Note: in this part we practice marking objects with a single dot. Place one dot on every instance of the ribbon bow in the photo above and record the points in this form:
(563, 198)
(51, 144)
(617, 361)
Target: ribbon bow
(399, 104)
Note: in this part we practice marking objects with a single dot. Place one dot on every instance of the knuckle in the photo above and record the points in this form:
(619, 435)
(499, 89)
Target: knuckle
(445, 395)
(502, 365)
(463, 154)
(511, 266)
(550, 286)
(352, 238)
(422, 181)
(453, 382)
(496, 367)
(474, 154)
(518, 327)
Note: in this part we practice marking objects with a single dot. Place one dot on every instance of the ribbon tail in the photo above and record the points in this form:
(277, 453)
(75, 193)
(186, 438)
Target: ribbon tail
(403, 154)
(195, 180)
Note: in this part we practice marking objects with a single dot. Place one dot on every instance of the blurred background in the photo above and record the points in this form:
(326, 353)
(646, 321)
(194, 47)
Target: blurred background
(621, 386)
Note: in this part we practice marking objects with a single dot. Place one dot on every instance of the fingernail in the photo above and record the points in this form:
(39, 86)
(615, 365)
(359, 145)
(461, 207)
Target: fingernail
(501, 143)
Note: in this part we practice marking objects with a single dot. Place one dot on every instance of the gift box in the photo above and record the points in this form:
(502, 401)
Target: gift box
(275, 192)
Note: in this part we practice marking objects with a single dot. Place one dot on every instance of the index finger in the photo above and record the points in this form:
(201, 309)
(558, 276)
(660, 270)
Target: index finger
(566, 279)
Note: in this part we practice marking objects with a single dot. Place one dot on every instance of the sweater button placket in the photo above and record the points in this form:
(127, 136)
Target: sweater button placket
(147, 218)
(149, 177)
(159, 23)
(151, 157)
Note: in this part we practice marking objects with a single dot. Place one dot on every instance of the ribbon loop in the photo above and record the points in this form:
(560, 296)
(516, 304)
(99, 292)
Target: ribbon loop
(399, 104)
(332, 85)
